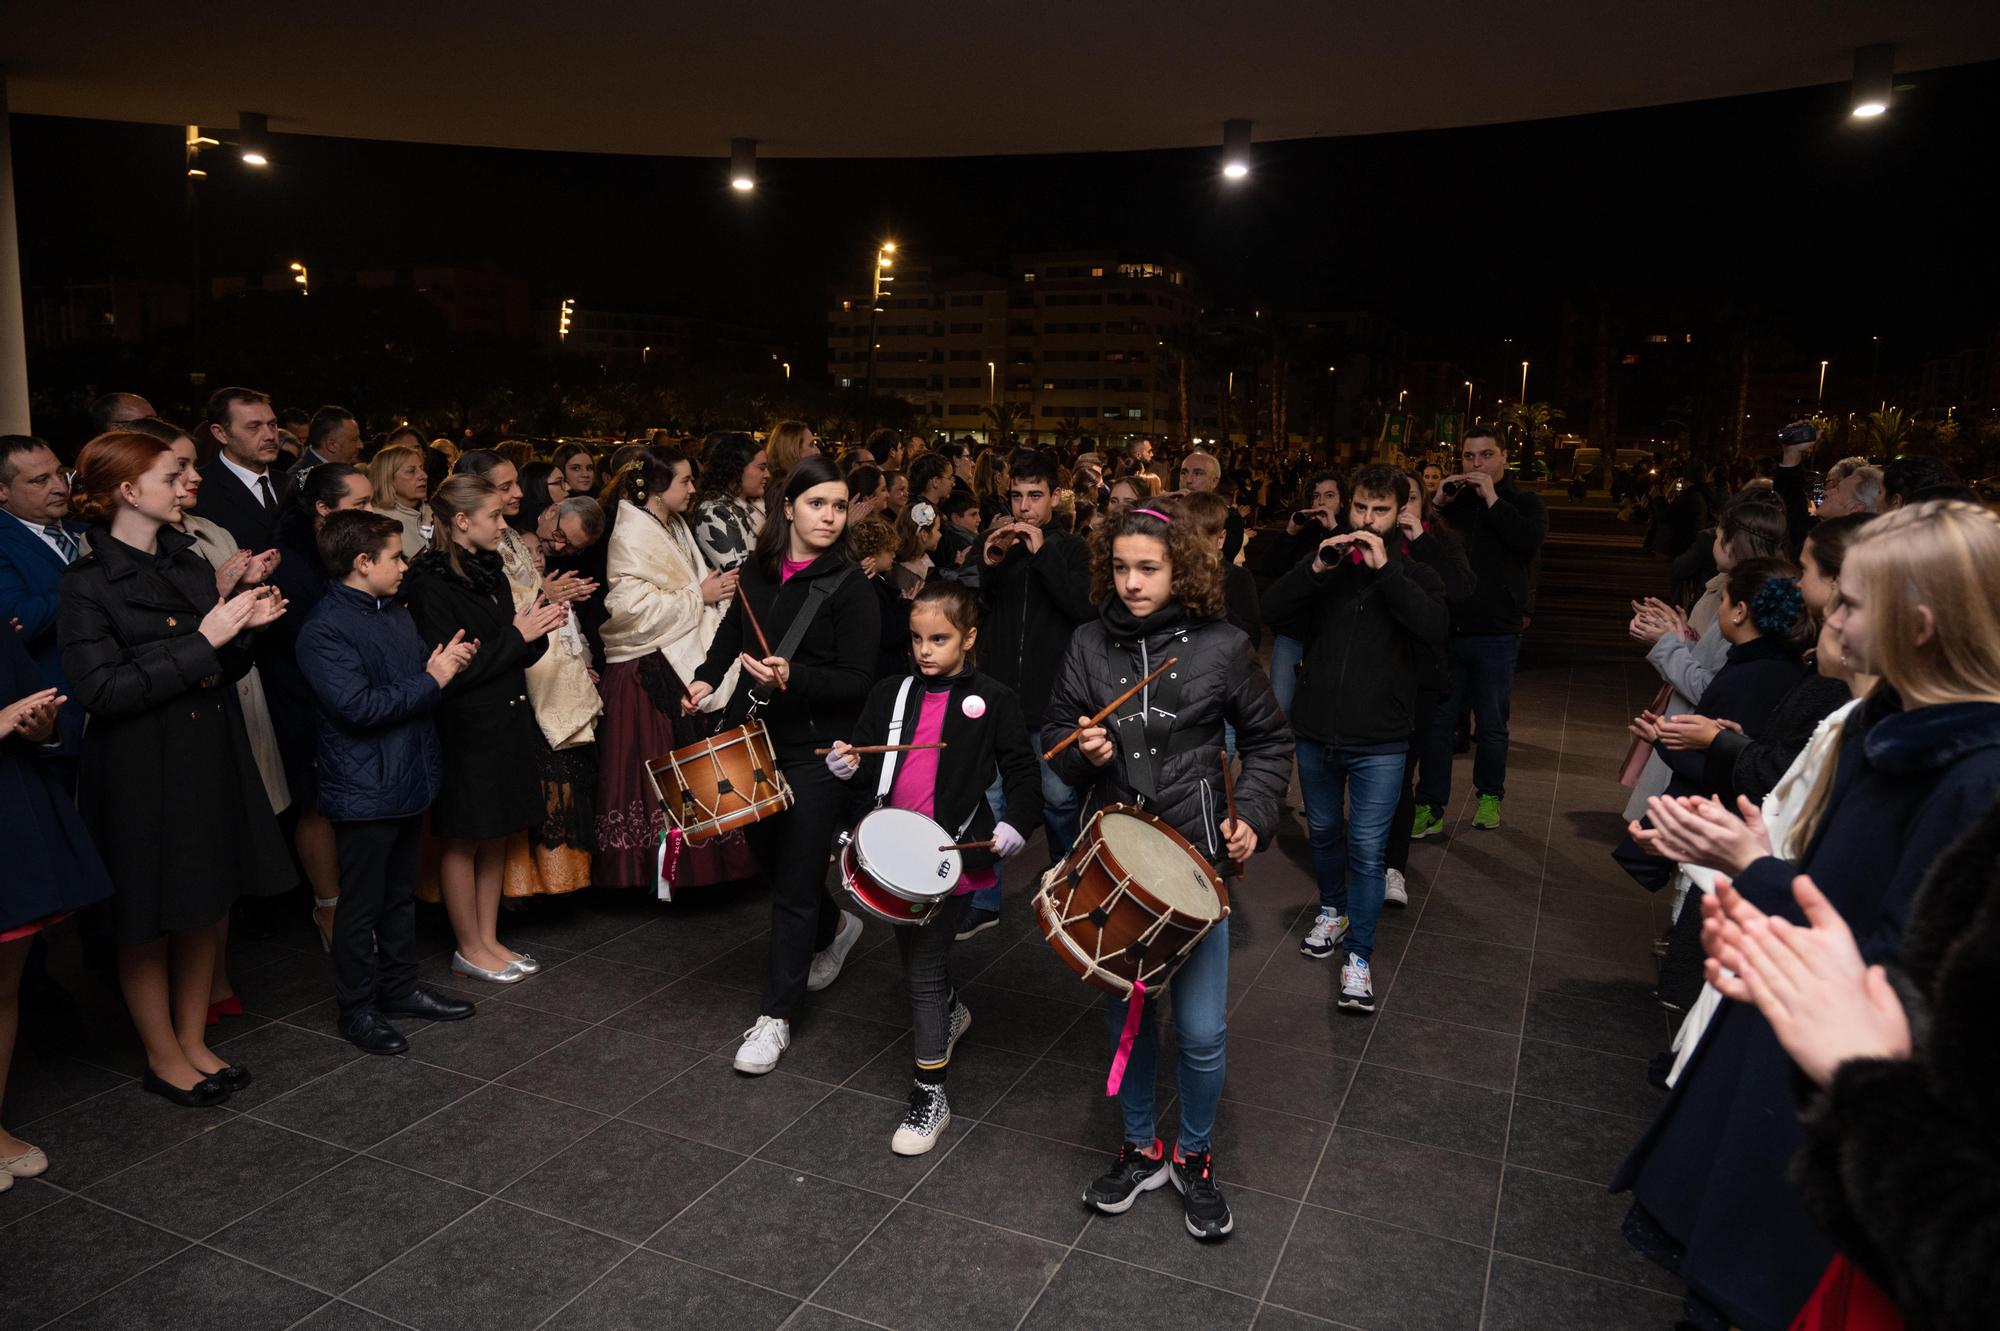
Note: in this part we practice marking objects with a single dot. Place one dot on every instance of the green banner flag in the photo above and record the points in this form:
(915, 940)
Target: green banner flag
(1395, 429)
(1447, 429)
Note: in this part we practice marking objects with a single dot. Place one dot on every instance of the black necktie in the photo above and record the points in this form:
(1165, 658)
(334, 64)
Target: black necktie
(264, 491)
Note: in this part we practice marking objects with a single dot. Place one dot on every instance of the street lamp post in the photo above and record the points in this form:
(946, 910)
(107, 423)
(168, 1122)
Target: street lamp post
(1468, 409)
(303, 276)
(878, 278)
(1524, 383)
(1822, 382)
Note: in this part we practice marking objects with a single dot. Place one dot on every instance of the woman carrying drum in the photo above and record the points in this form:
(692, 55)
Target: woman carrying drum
(661, 615)
(1160, 585)
(808, 679)
(977, 722)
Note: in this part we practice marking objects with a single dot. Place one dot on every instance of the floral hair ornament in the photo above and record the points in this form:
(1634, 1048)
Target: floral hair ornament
(1154, 513)
(922, 515)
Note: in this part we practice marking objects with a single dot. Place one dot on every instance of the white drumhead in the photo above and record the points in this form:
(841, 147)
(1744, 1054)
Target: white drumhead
(899, 849)
(1157, 863)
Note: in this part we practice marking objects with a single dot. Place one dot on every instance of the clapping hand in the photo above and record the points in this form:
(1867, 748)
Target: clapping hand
(1689, 731)
(539, 619)
(33, 717)
(1826, 1005)
(448, 658)
(567, 586)
(1645, 726)
(1699, 830)
(229, 619)
(261, 567)
(230, 572)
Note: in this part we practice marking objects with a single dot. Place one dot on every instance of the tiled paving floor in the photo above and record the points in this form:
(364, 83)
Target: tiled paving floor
(581, 1154)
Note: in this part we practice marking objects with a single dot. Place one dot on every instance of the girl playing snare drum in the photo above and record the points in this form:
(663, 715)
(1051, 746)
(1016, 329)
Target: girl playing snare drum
(1160, 585)
(979, 721)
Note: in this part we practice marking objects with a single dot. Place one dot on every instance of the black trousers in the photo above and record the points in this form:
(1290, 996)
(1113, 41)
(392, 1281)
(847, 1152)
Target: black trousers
(804, 918)
(1396, 854)
(377, 918)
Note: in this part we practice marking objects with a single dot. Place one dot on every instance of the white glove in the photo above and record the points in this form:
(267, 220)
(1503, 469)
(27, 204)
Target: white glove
(1006, 841)
(842, 763)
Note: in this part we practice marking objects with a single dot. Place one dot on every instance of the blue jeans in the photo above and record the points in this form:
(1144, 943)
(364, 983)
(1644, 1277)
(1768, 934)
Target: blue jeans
(1347, 852)
(1286, 653)
(1482, 669)
(1201, 1029)
(1059, 819)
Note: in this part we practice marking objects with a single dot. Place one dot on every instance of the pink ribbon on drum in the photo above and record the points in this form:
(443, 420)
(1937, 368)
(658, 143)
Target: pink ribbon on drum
(1133, 1012)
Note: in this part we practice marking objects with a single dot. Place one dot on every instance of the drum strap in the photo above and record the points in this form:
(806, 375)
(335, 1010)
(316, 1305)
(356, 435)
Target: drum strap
(895, 737)
(1143, 733)
(816, 596)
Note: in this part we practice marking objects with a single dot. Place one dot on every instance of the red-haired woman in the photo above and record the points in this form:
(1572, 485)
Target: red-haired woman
(167, 781)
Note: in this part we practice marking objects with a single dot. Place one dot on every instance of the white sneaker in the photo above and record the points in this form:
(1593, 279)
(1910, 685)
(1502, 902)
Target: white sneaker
(923, 1122)
(1326, 933)
(1357, 989)
(762, 1044)
(826, 964)
(1395, 892)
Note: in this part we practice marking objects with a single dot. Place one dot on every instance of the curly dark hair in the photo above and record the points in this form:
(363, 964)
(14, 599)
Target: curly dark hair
(1197, 564)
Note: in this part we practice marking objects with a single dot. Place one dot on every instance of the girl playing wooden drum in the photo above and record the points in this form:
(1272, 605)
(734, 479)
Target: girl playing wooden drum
(807, 648)
(977, 720)
(1160, 585)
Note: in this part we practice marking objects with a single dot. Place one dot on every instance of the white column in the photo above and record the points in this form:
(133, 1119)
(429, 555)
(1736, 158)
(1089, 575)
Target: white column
(13, 328)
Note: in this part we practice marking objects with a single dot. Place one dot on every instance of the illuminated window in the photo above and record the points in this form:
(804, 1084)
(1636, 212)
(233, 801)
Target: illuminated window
(1097, 272)
(1657, 338)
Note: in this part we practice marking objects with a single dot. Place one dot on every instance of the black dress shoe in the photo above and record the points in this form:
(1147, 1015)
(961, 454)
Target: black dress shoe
(232, 1078)
(426, 1003)
(204, 1093)
(367, 1031)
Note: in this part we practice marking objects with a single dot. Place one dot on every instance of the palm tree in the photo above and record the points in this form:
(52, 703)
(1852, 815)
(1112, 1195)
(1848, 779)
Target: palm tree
(1530, 423)
(1069, 429)
(1885, 431)
(1182, 347)
(1004, 419)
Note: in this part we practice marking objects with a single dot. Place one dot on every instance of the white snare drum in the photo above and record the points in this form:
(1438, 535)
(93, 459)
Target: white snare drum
(891, 866)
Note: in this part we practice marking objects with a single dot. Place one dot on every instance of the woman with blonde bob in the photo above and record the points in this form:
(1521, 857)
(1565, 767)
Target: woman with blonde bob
(1919, 761)
(396, 474)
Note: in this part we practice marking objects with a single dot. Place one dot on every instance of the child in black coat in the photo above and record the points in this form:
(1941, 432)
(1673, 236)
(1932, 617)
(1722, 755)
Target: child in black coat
(976, 722)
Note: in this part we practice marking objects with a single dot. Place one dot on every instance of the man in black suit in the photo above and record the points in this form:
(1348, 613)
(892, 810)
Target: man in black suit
(240, 493)
(333, 436)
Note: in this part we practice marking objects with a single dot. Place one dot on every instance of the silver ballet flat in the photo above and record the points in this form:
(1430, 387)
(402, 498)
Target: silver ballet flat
(505, 975)
(525, 964)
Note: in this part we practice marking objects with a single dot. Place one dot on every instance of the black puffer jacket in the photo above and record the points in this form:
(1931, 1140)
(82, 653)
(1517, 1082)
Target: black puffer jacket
(1218, 680)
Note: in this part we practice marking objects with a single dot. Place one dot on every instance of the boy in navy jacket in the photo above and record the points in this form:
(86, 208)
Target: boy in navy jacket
(378, 770)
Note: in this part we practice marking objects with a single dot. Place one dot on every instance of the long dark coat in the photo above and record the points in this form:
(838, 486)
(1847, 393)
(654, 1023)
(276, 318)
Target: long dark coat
(486, 727)
(1711, 1171)
(166, 784)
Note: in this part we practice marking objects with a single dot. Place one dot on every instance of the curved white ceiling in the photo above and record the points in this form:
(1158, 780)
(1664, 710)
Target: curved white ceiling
(888, 78)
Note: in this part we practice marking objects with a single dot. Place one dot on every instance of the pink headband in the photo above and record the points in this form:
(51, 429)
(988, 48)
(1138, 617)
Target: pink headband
(1154, 513)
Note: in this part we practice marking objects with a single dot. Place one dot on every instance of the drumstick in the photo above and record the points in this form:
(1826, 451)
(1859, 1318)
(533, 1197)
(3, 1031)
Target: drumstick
(1230, 868)
(1109, 708)
(968, 845)
(743, 600)
(881, 748)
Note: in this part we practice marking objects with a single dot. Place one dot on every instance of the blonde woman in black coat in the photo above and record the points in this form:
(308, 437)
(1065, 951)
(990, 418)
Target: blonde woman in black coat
(485, 724)
(167, 783)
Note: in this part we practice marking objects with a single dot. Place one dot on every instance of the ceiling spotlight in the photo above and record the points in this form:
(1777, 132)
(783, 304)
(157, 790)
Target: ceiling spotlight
(1874, 80)
(1235, 149)
(743, 165)
(253, 141)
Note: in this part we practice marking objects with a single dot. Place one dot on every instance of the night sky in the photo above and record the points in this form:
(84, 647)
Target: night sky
(1838, 229)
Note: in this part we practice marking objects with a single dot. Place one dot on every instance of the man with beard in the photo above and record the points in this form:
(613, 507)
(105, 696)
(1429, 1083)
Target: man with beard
(1374, 616)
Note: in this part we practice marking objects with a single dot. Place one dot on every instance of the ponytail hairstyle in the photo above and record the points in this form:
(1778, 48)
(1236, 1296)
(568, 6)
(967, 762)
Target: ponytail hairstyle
(1197, 583)
(298, 519)
(1768, 591)
(958, 603)
(775, 541)
(1831, 538)
(462, 493)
